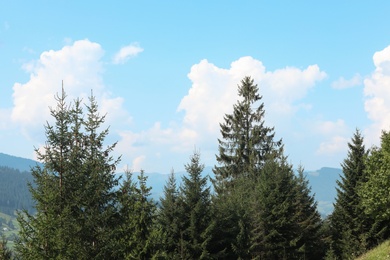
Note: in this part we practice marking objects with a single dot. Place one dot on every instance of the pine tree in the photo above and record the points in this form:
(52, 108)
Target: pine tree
(309, 243)
(73, 190)
(170, 219)
(246, 141)
(137, 213)
(275, 226)
(350, 226)
(194, 203)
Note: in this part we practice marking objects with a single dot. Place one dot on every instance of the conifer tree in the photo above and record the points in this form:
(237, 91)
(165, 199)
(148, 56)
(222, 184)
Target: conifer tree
(372, 192)
(275, 226)
(170, 219)
(350, 226)
(195, 204)
(244, 148)
(137, 219)
(73, 190)
(309, 243)
(246, 141)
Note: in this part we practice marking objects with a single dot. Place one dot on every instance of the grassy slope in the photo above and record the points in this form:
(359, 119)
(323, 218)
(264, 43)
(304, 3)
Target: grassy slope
(11, 232)
(380, 252)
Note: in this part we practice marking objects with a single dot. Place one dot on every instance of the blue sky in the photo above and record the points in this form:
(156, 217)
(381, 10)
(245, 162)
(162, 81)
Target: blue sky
(166, 72)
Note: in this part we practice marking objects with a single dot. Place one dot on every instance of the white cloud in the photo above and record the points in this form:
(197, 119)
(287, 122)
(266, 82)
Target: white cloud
(127, 52)
(377, 96)
(5, 119)
(333, 134)
(79, 66)
(332, 146)
(331, 127)
(343, 83)
(137, 164)
(214, 91)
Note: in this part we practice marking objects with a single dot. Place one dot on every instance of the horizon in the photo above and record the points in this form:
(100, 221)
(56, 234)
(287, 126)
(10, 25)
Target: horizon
(167, 73)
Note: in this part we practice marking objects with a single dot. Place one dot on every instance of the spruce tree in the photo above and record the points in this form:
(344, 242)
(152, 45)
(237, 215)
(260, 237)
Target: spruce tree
(275, 226)
(73, 190)
(137, 213)
(350, 226)
(309, 243)
(194, 203)
(170, 219)
(246, 141)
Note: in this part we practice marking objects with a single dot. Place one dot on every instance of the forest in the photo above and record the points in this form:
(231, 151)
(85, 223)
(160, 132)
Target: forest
(257, 207)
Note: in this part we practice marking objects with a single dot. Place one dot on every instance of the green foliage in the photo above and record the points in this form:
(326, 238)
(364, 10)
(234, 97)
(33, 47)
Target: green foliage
(194, 203)
(73, 190)
(350, 226)
(5, 252)
(170, 219)
(246, 141)
(373, 191)
(137, 217)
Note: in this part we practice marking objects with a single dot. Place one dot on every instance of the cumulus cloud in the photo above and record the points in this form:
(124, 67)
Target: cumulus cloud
(137, 164)
(126, 52)
(214, 91)
(377, 96)
(343, 83)
(80, 68)
(5, 119)
(333, 134)
(331, 127)
(333, 145)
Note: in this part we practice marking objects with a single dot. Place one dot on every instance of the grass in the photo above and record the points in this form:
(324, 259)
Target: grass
(10, 232)
(378, 253)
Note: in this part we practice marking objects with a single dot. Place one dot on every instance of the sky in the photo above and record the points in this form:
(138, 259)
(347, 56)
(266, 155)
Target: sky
(166, 72)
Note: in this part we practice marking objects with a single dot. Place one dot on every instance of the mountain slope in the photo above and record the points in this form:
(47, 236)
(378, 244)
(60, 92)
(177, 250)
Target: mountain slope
(15, 162)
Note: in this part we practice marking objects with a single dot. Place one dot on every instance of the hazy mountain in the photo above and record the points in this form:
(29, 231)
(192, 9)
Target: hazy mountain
(322, 181)
(15, 162)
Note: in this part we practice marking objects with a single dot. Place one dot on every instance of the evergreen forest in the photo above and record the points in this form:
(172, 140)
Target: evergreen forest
(258, 205)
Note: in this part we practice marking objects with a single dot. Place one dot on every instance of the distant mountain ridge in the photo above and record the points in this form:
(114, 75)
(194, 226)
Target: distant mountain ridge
(322, 181)
(19, 163)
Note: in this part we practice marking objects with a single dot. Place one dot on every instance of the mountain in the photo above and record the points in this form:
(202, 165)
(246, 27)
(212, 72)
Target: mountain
(322, 181)
(323, 186)
(18, 163)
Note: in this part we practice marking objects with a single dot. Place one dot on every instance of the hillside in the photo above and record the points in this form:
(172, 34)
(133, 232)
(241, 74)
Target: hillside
(21, 164)
(378, 253)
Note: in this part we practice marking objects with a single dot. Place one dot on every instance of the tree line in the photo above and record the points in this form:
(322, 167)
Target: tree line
(259, 207)
(14, 193)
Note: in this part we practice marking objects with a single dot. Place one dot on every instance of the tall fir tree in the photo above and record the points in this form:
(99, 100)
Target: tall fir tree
(348, 223)
(309, 243)
(137, 212)
(244, 148)
(73, 190)
(275, 228)
(194, 203)
(170, 219)
(246, 141)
